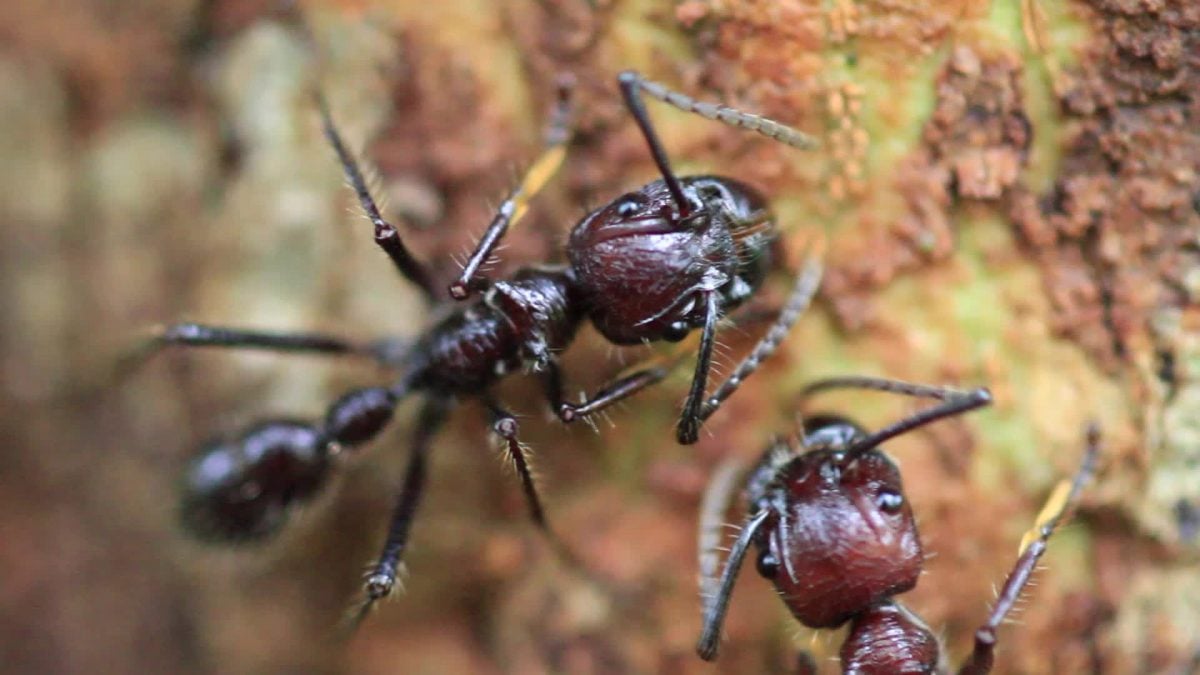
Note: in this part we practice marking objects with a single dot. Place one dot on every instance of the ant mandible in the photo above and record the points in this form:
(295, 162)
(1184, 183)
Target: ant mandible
(678, 253)
(836, 536)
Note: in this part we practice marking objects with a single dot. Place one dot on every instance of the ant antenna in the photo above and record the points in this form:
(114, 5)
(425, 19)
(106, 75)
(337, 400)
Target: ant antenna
(976, 398)
(631, 82)
(715, 609)
(731, 116)
(953, 403)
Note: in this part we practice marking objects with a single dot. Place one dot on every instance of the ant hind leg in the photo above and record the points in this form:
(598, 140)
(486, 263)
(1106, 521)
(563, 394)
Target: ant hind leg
(382, 578)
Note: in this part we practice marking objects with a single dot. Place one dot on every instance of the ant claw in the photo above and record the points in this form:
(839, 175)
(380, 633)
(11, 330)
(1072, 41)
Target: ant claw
(688, 432)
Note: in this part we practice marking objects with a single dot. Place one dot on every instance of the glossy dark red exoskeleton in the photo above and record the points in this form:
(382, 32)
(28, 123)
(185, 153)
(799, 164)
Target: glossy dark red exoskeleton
(837, 538)
(674, 255)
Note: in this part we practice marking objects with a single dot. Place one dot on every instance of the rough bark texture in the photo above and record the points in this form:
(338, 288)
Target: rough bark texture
(1010, 192)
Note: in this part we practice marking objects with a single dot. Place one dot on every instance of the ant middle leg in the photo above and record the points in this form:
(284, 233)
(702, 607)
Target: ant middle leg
(619, 389)
(505, 425)
(202, 335)
(517, 203)
(1032, 547)
(386, 235)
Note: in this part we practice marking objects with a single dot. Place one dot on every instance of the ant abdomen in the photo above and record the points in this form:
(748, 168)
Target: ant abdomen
(241, 489)
(888, 639)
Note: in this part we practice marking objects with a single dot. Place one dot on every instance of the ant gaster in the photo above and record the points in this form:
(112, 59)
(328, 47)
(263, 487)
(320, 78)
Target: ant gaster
(677, 254)
(836, 536)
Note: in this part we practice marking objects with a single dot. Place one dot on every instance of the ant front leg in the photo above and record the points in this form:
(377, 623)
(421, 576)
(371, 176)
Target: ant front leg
(688, 430)
(386, 235)
(801, 297)
(716, 607)
(1032, 549)
(382, 578)
(514, 207)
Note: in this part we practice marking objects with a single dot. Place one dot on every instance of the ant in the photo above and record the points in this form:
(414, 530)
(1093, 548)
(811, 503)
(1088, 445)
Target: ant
(837, 537)
(678, 253)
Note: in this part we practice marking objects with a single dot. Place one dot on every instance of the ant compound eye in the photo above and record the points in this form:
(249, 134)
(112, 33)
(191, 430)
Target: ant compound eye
(628, 206)
(676, 331)
(889, 501)
(767, 564)
(709, 193)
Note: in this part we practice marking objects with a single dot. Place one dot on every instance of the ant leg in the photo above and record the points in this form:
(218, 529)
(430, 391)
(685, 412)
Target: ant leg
(517, 203)
(716, 607)
(199, 335)
(717, 497)
(382, 578)
(802, 294)
(386, 236)
(688, 429)
(611, 393)
(504, 424)
(1032, 547)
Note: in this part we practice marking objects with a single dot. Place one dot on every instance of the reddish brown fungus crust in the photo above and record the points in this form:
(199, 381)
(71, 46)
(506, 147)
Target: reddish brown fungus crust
(1116, 237)
(972, 149)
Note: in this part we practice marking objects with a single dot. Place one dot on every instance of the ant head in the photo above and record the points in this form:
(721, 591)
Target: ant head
(238, 490)
(645, 264)
(841, 536)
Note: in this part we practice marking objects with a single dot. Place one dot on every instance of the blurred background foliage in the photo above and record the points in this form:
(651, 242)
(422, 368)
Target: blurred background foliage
(1008, 190)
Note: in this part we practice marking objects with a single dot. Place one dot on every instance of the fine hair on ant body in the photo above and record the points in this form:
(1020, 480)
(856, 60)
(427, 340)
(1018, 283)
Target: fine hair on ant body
(836, 536)
(678, 253)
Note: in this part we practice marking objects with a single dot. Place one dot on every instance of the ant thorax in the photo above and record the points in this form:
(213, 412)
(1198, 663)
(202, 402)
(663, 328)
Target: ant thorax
(887, 638)
(522, 320)
(840, 536)
(645, 268)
